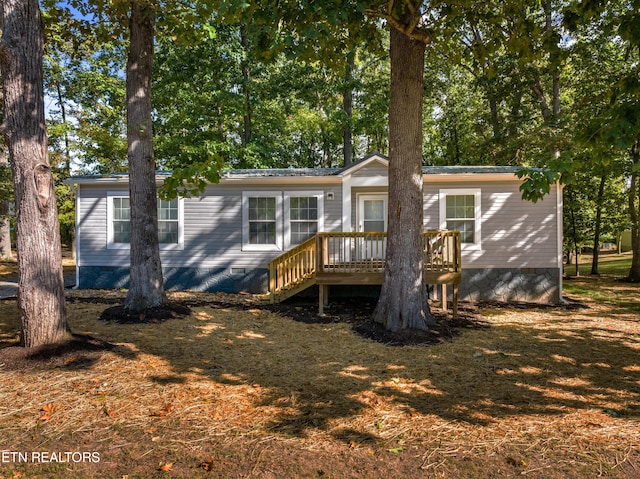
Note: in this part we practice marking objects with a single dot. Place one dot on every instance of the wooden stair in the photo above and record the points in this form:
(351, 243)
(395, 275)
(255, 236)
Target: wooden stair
(341, 258)
(293, 272)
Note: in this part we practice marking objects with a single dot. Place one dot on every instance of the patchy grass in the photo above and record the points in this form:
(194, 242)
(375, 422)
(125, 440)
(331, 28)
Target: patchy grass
(237, 390)
(609, 287)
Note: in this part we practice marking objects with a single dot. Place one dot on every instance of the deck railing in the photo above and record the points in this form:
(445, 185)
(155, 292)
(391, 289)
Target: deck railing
(358, 253)
(365, 252)
(293, 267)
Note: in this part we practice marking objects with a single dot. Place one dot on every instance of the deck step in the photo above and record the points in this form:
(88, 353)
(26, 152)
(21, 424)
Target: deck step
(292, 289)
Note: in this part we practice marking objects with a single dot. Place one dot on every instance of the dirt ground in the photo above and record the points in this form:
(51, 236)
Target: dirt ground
(232, 388)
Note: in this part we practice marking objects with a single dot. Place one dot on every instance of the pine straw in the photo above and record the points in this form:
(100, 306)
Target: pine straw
(561, 385)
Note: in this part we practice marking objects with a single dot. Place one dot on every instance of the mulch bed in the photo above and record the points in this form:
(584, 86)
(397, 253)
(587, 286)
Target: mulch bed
(171, 310)
(76, 352)
(356, 311)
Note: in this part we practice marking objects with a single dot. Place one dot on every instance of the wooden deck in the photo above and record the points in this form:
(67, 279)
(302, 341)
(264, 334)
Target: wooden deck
(358, 259)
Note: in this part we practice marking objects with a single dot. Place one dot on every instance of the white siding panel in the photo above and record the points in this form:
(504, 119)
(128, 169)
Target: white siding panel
(515, 233)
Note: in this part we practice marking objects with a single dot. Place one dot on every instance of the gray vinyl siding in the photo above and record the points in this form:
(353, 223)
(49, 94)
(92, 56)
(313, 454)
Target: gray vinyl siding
(372, 170)
(93, 227)
(212, 227)
(514, 233)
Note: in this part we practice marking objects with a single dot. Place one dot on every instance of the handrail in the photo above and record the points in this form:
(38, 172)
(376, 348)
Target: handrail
(292, 267)
(354, 253)
(365, 252)
(442, 251)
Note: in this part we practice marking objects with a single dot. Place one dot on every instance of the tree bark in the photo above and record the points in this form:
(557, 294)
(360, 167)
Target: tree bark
(403, 298)
(5, 230)
(40, 285)
(146, 289)
(598, 226)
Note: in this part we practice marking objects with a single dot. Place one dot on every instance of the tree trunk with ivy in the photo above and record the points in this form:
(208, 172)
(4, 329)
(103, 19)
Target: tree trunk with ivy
(40, 285)
(146, 288)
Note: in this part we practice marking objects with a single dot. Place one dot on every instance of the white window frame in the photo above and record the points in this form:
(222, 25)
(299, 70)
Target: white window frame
(246, 246)
(287, 211)
(476, 192)
(163, 246)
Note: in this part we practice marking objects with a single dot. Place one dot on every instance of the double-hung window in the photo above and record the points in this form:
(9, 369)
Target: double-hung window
(304, 213)
(168, 221)
(261, 220)
(119, 222)
(277, 220)
(460, 210)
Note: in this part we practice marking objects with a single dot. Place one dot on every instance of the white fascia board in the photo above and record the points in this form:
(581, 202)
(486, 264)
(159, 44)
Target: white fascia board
(464, 177)
(279, 180)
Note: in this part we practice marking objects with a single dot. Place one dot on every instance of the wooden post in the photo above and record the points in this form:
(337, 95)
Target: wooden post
(444, 297)
(323, 299)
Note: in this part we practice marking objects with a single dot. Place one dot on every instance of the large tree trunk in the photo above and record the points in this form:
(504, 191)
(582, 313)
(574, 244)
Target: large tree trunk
(5, 230)
(403, 299)
(146, 289)
(41, 286)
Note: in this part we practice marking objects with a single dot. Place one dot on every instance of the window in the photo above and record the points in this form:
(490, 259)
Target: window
(168, 221)
(273, 220)
(304, 216)
(261, 220)
(119, 222)
(460, 210)
(121, 217)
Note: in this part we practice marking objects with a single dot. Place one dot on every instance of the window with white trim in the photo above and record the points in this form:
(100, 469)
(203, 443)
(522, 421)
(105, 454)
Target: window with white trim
(119, 222)
(304, 213)
(261, 220)
(460, 211)
(168, 221)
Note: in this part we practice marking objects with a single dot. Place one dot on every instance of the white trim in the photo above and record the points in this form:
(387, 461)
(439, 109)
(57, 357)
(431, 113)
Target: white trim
(468, 177)
(111, 195)
(371, 181)
(346, 205)
(127, 246)
(476, 192)
(246, 246)
(362, 197)
(180, 244)
(287, 212)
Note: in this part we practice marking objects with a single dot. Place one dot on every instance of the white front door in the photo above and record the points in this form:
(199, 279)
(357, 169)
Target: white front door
(372, 217)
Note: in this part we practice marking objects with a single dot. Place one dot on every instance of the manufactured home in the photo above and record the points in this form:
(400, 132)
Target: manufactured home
(281, 230)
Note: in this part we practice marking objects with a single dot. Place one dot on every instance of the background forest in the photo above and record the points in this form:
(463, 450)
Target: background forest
(553, 83)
